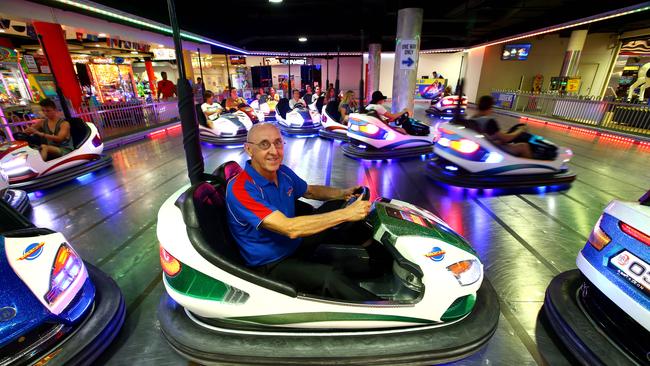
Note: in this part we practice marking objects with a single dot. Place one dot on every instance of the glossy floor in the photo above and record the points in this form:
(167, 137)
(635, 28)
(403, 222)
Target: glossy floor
(523, 239)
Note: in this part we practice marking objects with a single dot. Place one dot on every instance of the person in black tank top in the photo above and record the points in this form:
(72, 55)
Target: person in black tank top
(53, 130)
(489, 126)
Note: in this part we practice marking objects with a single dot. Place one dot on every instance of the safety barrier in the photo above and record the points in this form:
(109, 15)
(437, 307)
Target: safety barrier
(623, 117)
(112, 121)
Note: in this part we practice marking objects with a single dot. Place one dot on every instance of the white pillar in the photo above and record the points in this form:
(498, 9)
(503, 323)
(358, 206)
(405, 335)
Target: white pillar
(407, 47)
(572, 54)
(374, 65)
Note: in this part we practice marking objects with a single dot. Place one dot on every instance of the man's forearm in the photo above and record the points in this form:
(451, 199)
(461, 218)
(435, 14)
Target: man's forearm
(324, 193)
(302, 226)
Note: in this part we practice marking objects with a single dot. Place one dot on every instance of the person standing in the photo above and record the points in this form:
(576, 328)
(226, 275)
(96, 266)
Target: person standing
(198, 89)
(308, 97)
(166, 88)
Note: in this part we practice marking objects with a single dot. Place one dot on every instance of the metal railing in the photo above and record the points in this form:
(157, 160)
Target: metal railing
(623, 117)
(112, 121)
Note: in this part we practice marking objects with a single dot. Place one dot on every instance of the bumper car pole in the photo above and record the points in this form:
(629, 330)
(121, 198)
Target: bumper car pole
(189, 123)
(361, 91)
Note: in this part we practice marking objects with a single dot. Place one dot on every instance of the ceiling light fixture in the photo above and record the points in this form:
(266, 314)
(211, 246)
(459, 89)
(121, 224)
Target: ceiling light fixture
(147, 23)
(160, 46)
(275, 1)
(134, 52)
(302, 39)
(101, 35)
(96, 45)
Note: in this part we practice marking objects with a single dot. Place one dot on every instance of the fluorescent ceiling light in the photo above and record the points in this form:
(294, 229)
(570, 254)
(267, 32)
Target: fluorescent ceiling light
(302, 39)
(134, 52)
(275, 1)
(101, 35)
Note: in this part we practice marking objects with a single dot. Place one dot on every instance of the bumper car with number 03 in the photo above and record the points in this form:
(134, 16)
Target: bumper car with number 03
(601, 311)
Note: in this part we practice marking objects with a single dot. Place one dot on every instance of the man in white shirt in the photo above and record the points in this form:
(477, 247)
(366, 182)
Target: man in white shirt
(296, 99)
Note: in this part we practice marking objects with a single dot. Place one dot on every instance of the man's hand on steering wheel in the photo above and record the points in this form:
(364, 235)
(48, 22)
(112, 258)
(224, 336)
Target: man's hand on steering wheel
(358, 210)
(352, 191)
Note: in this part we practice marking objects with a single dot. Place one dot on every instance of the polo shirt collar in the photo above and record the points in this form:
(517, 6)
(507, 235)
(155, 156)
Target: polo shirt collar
(257, 177)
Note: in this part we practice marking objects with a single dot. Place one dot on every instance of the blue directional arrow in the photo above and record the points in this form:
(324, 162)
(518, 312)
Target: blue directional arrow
(408, 62)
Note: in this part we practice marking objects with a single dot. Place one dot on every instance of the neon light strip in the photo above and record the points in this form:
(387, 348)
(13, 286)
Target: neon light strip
(587, 131)
(146, 23)
(576, 23)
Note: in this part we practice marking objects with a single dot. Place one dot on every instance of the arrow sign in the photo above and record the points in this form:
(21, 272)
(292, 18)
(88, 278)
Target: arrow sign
(408, 54)
(408, 62)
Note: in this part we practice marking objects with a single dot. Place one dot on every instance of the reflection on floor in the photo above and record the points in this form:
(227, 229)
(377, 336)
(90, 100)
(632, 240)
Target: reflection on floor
(524, 239)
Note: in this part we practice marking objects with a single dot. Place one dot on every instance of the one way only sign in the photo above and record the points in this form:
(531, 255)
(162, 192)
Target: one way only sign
(408, 55)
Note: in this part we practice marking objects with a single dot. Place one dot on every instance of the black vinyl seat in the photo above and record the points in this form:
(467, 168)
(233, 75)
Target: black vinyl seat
(200, 116)
(283, 107)
(204, 212)
(319, 104)
(79, 131)
(332, 109)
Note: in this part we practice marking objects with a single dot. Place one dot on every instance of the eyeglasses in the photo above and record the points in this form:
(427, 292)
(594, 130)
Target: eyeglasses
(266, 144)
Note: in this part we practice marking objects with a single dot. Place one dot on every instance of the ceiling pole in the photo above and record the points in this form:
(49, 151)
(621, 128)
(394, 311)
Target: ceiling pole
(336, 83)
(228, 72)
(361, 93)
(327, 72)
(289, 96)
(186, 109)
(200, 65)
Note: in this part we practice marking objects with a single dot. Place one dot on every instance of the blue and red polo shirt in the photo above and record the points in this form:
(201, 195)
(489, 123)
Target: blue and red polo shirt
(250, 198)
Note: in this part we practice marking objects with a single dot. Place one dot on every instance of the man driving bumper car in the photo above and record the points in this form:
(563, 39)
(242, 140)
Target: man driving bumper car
(279, 244)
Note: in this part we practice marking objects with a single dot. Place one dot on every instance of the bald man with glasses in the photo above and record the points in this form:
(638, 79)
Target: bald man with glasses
(277, 243)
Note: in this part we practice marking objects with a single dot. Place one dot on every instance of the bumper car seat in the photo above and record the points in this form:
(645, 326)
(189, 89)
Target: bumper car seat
(283, 108)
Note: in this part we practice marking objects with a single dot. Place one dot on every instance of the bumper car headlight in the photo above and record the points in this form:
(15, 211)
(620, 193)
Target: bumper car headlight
(16, 165)
(466, 272)
(67, 266)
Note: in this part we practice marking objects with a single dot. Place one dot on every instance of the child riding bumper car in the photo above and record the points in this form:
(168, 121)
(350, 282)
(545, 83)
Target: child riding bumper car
(371, 138)
(467, 158)
(228, 128)
(22, 161)
(298, 120)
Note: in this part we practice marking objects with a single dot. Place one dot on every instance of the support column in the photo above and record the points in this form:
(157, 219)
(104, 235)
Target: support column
(374, 65)
(53, 42)
(148, 65)
(187, 61)
(407, 47)
(572, 54)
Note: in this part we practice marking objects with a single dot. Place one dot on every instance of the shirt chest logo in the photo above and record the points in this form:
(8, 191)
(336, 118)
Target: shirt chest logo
(289, 191)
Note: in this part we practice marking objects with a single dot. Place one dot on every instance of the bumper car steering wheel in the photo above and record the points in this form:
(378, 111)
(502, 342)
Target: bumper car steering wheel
(401, 119)
(34, 141)
(361, 192)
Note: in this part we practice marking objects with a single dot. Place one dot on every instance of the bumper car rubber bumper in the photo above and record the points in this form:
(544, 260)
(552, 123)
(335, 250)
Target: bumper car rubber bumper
(264, 346)
(64, 175)
(436, 170)
(354, 151)
(100, 327)
(18, 200)
(589, 344)
(307, 130)
(223, 141)
(331, 135)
